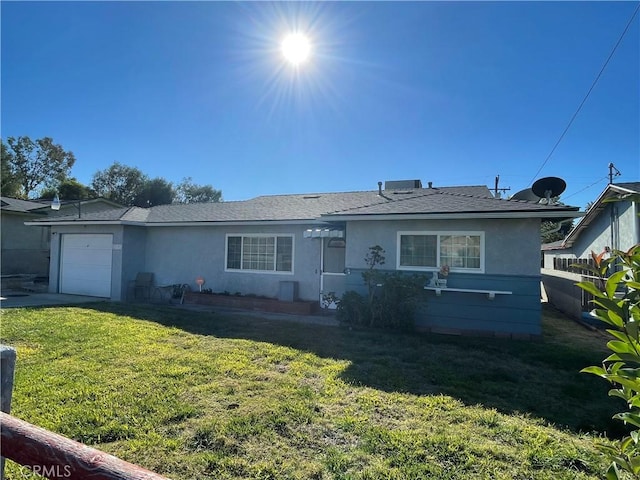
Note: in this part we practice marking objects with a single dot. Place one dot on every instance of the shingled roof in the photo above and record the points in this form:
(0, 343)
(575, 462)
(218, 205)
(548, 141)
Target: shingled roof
(318, 207)
(8, 204)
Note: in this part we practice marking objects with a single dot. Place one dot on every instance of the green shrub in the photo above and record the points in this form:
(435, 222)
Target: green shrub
(391, 301)
(392, 305)
(353, 309)
(395, 303)
(618, 302)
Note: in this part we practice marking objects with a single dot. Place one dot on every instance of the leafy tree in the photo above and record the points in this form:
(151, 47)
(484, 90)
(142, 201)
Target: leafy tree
(189, 192)
(156, 191)
(119, 183)
(37, 163)
(10, 182)
(618, 299)
(554, 231)
(69, 189)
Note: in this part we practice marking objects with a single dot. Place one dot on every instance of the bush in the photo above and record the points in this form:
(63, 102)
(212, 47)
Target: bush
(395, 303)
(618, 302)
(392, 303)
(353, 309)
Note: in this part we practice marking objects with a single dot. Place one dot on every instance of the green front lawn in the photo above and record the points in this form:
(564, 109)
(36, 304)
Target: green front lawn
(202, 395)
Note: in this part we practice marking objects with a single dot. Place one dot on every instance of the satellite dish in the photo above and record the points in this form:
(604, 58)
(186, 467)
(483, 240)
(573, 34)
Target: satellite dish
(549, 187)
(526, 194)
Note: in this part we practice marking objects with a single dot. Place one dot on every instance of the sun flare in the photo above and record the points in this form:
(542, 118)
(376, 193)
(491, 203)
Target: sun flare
(296, 48)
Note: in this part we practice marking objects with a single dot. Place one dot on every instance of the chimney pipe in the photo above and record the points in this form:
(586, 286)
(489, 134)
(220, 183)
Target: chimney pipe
(380, 188)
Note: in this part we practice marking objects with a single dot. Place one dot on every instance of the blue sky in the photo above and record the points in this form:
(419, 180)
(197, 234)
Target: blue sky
(453, 93)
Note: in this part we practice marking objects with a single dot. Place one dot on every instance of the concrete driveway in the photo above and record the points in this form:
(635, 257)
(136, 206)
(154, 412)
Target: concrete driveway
(17, 299)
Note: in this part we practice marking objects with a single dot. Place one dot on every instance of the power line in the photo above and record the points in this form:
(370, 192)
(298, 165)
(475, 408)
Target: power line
(587, 187)
(635, 12)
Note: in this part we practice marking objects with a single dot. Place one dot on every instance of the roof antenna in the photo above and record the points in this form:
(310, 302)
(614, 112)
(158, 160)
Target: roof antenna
(612, 174)
(380, 188)
(497, 190)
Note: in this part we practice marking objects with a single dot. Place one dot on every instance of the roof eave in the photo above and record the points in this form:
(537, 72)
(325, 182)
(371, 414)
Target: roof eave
(456, 216)
(81, 222)
(310, 221)
(19, 212)
(235, 223)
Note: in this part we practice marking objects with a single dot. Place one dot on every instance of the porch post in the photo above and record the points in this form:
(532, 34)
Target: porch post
(7, 369)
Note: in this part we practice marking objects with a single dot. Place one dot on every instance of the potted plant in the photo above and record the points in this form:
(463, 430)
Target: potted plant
(442, 276)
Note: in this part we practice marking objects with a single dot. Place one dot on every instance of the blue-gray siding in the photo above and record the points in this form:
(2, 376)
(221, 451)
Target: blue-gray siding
(518, 313)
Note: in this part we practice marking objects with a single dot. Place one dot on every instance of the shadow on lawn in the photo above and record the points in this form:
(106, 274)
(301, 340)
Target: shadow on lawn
(539, 378)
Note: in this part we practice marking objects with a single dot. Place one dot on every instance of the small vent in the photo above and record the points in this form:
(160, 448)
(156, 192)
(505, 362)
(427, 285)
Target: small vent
(306, 197)
(402, 192)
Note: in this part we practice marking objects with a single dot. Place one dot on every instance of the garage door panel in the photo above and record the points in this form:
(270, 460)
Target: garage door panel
(89, 258)
(80, 286)
(91, 241)
(85, 267)
(96, 274)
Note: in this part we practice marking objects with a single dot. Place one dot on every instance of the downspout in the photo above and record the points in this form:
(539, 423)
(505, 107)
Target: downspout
(615, 244)
(636, 208)
(557, 229)
(321, 268)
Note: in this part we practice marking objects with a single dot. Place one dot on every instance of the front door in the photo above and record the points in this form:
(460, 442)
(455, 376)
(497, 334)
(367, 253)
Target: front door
(332, 279)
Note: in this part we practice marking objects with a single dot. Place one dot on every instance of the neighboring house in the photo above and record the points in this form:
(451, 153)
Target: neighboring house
(606, 226)
(25, 250)
(319, 241)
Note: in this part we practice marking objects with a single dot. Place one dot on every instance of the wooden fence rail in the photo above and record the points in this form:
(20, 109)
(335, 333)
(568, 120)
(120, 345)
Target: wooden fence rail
(56, 457)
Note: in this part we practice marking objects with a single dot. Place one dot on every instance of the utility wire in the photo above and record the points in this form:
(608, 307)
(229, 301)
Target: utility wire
(635, 12)
(587, 187)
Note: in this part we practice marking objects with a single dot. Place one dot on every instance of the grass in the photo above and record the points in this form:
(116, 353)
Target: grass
(195, 395)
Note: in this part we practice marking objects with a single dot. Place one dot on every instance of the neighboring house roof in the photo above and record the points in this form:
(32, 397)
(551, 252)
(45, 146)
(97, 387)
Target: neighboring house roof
(42, 208)
(8, 204)
(446, 202)
(70, 207)
(612, 190)
(557, 245)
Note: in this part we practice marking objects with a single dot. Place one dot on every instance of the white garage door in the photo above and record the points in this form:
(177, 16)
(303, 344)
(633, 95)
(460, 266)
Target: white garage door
(85, 268)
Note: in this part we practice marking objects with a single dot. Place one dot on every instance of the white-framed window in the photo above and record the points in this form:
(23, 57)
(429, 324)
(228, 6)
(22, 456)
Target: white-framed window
(424, 250)
(259, 253)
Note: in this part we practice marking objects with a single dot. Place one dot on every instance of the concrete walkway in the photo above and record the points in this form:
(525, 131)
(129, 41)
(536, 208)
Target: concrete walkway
(19, 299)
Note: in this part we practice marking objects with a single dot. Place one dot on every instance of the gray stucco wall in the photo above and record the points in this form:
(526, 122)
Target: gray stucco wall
(512, 264)
(512, 247)
(116, 267)
(179, 255)
(25, 250)
(133, 257)
(617, 216)
(629, 224)
(562, 291)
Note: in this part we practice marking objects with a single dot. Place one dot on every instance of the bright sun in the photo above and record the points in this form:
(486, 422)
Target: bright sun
(296, 48)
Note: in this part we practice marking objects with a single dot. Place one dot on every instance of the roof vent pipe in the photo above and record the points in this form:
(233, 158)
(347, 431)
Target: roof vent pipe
(380, 188)
(430, 184)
